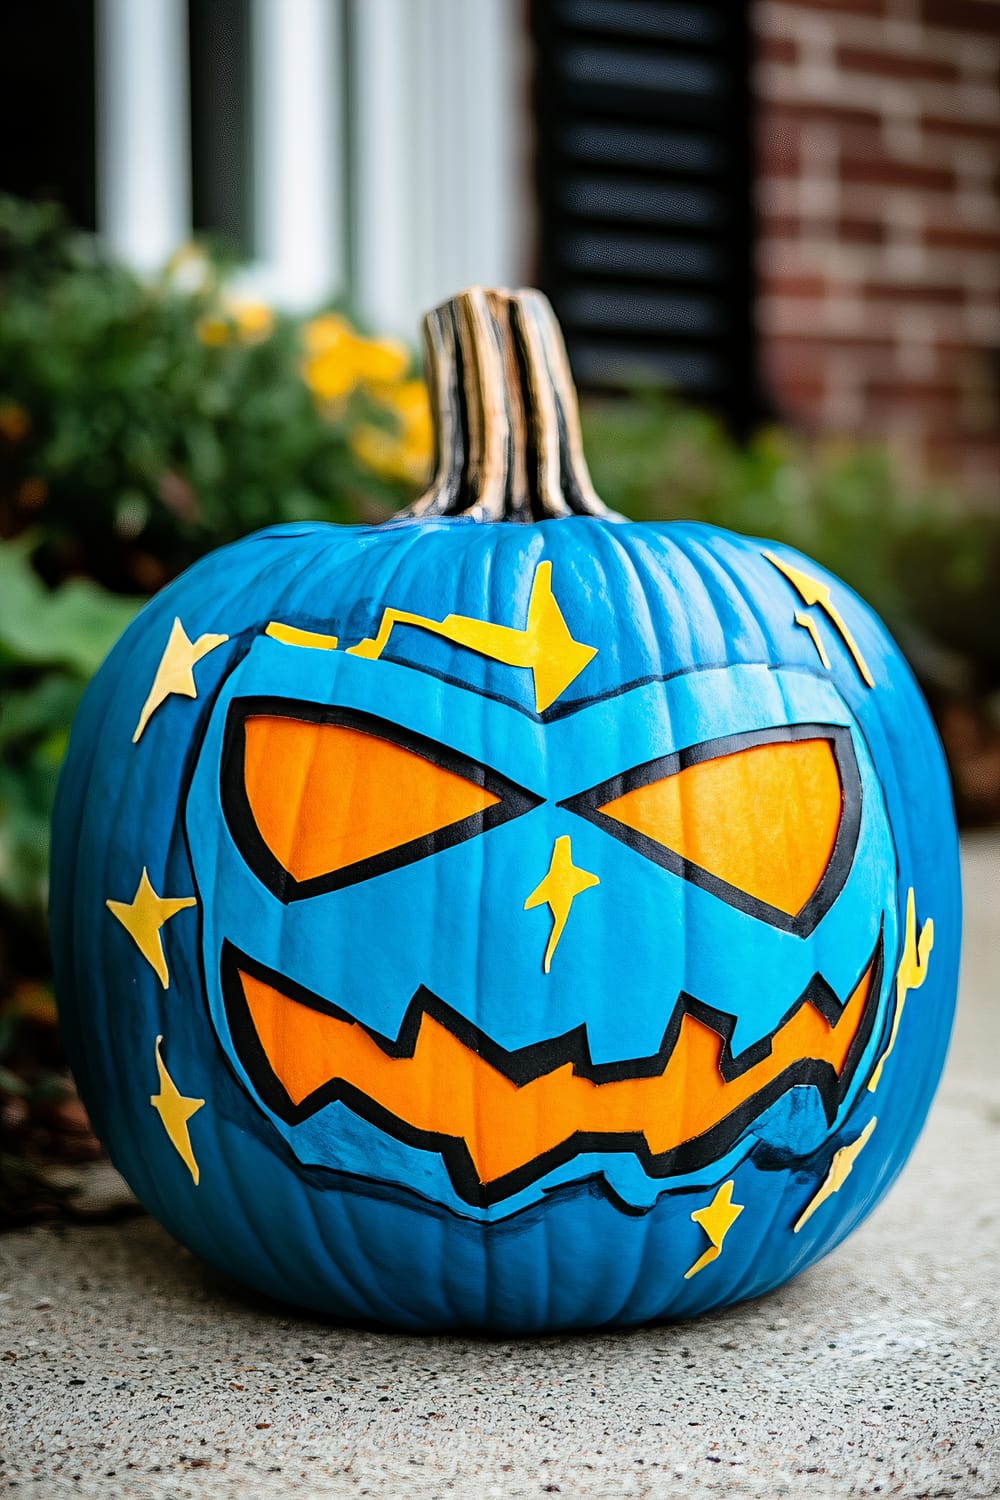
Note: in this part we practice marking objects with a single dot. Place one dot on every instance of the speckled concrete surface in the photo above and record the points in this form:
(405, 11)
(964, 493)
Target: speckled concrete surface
(126, 1369)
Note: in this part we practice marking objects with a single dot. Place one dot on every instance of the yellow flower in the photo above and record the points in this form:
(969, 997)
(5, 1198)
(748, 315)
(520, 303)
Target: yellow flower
(378, 361)
(338, 359)
(406, 453)
(329, 376)
(254, 320)
(213, 330)
(326, 332)
(235, 320)
(14, 421)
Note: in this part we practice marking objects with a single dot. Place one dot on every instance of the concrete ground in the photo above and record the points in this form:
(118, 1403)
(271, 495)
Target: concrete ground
(131, 1371)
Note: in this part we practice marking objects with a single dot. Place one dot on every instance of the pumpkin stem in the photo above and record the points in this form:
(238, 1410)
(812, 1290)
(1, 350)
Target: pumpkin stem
(506, 422)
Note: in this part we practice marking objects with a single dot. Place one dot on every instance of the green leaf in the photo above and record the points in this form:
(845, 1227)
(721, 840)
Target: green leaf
(44, 707)
(74, 625)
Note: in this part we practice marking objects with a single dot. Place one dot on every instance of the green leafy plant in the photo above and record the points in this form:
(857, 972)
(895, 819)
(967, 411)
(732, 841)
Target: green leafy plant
(143, 423)
(928, 563)
(51, 642)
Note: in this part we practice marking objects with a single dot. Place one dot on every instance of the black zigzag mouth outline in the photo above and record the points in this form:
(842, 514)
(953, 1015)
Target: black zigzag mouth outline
(540, 1058)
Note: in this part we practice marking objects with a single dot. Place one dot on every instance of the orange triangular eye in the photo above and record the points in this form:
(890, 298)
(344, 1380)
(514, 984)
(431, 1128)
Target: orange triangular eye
(320, 799)
(758, 819)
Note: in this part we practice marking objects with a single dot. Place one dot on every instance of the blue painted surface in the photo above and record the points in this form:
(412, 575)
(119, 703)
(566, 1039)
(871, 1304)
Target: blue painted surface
(696, 638)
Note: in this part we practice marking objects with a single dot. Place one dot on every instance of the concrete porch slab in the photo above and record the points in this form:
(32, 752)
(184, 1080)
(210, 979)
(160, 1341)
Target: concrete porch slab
(128, 1369)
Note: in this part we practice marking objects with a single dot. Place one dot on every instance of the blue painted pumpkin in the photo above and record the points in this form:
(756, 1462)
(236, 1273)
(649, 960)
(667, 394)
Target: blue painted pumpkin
(507, 916)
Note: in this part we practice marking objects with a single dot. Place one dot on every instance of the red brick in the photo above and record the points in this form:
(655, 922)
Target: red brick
(846, 7)
(886, 172)
(803, 393)
(782, 49)
(780, 226)
(961, 237)
(776, 284)
(845, 231)
(854, 231)
(810, 360)
(791, 114)
(896, 65)
(959, 129)
(981, 16)
(778, 154)
(915, 293)
(929, 399)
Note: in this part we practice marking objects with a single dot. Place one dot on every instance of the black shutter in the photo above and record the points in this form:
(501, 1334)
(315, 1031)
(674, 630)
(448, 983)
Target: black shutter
(47, 103)
(221, 144)
(643, 154)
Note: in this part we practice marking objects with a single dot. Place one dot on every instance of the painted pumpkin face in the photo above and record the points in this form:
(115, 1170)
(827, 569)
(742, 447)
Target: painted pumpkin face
(735, 805)
(549, 894)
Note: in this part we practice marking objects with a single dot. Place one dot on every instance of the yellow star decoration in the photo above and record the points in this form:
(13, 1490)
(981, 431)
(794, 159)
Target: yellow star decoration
(910, 975)
(558, 890)
(841, 1168)
(142, 918)
(716, 1220)
(545, 645)
(175, 1111)
(175, 673)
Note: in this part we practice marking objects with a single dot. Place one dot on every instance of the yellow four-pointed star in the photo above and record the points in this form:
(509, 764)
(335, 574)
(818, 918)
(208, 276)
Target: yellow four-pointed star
(142, 918)
(558, 890)
(175, 1111)
(717, 1219)
(841, 1168)
(175, 673)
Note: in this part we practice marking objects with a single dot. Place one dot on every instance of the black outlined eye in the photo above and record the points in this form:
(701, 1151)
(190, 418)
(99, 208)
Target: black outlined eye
(767, 821)
(319, 798)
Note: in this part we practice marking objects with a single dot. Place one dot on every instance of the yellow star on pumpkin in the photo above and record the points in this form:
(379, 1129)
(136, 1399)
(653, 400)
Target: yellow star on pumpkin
(142, 918)
(717, 1219)
(175, 673)
(175, 1111)
(841, 1168)
(558, 890)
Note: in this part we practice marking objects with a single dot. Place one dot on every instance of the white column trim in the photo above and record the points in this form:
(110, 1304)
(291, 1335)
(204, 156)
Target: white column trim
(299, 186)
(143, 134)
(439, 153)
(385, 139)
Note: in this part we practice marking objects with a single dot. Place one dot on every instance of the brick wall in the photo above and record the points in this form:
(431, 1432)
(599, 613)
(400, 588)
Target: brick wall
(879, 223)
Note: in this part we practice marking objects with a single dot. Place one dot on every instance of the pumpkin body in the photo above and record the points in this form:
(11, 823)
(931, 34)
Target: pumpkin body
(509, 982)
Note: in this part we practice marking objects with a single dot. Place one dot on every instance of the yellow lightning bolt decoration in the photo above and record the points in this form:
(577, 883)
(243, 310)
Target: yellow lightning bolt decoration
(816, 593)
(910, 975)
(716, 1220)
(558, 890)
(545, 646)
(808, 623)
(841, 1168)
(175, 1111)
(142, 918)
(175, 673)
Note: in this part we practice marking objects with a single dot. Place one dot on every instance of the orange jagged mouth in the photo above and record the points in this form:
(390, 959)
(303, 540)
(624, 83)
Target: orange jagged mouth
(503, 1119)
